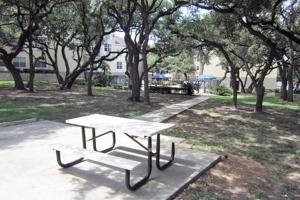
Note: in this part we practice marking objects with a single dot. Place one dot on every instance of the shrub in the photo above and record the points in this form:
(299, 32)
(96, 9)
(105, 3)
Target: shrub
(221, 90)
(101, 80)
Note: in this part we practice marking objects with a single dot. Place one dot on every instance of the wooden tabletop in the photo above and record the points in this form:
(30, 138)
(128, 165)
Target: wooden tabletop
(133, 127)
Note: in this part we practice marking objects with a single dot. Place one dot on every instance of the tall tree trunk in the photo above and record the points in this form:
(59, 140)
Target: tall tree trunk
(31, 65)
(260, 92)
(145, 67)
(282, 73)
(250, 88)
(234, 85)
(19, 85)
(290, 73)
(135, 91)
(90, 81)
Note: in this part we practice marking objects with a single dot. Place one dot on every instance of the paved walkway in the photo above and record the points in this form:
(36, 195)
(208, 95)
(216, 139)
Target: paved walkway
(167, 112)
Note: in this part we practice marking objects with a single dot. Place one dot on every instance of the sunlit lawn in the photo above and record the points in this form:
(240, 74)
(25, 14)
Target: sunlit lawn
(263, 148)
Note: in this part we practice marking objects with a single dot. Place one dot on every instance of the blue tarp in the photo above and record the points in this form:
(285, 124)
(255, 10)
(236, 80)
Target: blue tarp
(205, 77)
(160, 77)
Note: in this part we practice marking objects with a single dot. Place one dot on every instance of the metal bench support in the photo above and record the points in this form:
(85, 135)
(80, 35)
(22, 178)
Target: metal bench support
(70, 164)
(146, 178)
(168, 164)
(94, 137)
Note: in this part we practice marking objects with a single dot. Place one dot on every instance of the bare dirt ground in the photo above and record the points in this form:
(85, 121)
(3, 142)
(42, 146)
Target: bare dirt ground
(263, 151)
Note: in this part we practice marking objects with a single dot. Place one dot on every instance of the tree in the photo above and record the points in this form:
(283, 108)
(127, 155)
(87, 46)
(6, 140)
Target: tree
(183, 63)
(19, 21)
(137, 20)
(261, 20)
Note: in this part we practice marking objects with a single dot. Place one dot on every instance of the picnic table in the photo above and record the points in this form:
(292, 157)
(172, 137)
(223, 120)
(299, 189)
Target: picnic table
(132, 128)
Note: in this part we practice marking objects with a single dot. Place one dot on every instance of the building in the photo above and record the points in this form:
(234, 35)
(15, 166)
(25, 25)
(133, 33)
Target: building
(44, 72)
(217, 70)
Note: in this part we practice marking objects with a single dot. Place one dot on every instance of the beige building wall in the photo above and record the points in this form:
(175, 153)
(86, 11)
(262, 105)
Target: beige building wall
(215, 68)
(117, 66)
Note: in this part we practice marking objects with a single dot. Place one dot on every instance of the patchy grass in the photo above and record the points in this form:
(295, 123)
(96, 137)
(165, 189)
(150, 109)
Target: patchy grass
(263, 148)
(270, 101)
(52, 104)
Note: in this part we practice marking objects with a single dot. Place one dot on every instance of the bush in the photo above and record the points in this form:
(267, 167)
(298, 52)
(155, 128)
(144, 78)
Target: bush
(80, 82)
(101, 80)
(221, 90)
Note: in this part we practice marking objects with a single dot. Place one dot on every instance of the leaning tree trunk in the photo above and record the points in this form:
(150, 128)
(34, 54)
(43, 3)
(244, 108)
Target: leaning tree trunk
(68, 83)
(243, 90)
(19, 85)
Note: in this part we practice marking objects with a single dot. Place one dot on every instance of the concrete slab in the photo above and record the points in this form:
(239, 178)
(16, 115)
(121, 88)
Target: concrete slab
(167, 112)
(29, 170)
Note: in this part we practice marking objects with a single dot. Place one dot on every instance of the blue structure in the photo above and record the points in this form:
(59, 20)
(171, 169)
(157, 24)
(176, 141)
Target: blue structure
(160, 77)
(205, 77)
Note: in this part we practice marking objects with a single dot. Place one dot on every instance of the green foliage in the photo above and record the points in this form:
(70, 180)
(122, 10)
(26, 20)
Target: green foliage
(101, 80)
(182, 63)
(221, 90)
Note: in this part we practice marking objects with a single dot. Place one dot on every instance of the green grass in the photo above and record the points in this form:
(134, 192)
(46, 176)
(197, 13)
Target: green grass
(270, 101)
(11, 84)
(7, 84)
(14, 110)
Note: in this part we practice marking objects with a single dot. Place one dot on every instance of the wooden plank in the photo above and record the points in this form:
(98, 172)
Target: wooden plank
(104, 158)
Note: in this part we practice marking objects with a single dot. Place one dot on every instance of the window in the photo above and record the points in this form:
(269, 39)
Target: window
(107, 47)
(41, 63)
(119, 65)
(19, 62)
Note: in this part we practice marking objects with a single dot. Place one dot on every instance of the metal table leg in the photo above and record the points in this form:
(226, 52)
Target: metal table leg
(94, 137)
(168, 164)
(83, 137)
(146, 178)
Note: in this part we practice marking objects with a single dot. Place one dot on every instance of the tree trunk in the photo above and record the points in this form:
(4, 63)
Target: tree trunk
(282, 67)
(290, 74)
(250, 88)
(19, 85)
(243, 90)
(283, 91)
(185, 76)
(90, 82)
(234, 85)
(260, 92)
(135, 91)
(30, 84)
(146, 78)
(68, 83)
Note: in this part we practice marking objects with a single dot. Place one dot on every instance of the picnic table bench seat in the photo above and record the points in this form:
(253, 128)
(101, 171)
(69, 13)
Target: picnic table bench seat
(105, 159)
